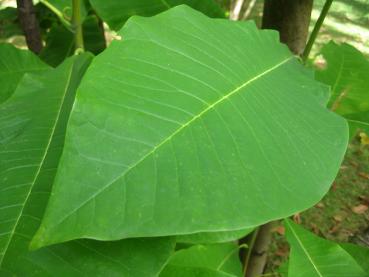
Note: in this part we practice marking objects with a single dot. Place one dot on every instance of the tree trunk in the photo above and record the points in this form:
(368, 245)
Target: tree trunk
(291, 18)
(29, 24)
(257, 257)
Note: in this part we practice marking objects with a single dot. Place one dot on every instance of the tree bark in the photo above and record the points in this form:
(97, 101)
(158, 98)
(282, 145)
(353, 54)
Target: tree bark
(254, 264)
(29, 24)
(291, 18)
(260, 251)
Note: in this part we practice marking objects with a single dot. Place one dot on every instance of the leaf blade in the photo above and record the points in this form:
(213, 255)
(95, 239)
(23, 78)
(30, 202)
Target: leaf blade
(160, 84)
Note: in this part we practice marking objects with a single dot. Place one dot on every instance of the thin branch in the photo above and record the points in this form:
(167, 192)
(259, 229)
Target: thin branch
(316, 30)
(30, 26)
(77, 25)
(249, 252)
(58, 14)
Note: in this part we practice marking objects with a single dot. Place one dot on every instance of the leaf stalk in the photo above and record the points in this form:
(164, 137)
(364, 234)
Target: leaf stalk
(77, 26)
(316, 30)
(58, 13)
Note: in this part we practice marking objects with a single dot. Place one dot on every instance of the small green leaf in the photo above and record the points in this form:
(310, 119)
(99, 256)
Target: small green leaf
(116, 13)
(218, 258)
(60, 41)
(14, 63)
(312, 256)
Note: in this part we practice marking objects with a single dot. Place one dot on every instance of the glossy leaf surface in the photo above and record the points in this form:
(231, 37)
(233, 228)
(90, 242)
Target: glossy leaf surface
(188, 125)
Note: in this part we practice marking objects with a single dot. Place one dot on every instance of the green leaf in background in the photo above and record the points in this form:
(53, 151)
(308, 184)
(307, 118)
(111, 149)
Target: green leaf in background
(358, 121)
(213, 258)
(33, 123)
(189, 125)
(116, 13)
(60, 41)
(312, 256)
(65, 7)
(213, 237)
(13, 64)
(346, 72)
(9, 25)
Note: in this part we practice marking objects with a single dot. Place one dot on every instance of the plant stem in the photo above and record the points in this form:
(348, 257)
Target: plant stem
(316, 30)
(58, 13)
(77, 25)
(251, 246)
(29, 24)
(258, 253)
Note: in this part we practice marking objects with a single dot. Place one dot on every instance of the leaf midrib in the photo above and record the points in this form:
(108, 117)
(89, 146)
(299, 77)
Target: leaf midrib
(358, 122)
(39, 167)
(225, 97)
(304, 249)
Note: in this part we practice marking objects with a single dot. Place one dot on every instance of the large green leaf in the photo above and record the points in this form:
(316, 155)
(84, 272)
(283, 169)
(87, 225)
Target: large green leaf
(312, 256)
(187, 125)
(217, 259)
(60, 42)
(347, 73)
(33, 123)
(13, 64)
(116, 13)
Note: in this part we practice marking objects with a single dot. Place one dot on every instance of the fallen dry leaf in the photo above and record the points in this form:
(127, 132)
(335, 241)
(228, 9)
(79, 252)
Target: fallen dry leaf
(280, 230)
(297, 218)
(364, 175)
(334, 229)
(364, 199)
(338, 218)
(315, 228)
(320, 205)
(360, 209)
